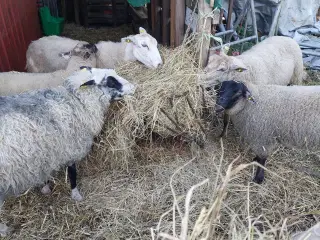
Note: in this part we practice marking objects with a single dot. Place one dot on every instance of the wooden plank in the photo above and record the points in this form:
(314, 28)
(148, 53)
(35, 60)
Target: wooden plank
(172, 22)
(76, 12)
(204, 27)
(114, 12)
(153, 16)
(230, 10)
(180, 15)
(165, 21)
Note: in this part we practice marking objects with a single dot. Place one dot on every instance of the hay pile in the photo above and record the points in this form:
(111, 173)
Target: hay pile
(167, 104)
(129, 182)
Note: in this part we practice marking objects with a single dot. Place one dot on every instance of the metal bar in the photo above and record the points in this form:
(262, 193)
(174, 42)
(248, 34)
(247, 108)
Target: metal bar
(308, 45)
(313, 53)
(235, 42)
(275, 20)
(224, 33)
(242, 14)
(172, 22)
(179, 23)
(254, 20)
(244, 33)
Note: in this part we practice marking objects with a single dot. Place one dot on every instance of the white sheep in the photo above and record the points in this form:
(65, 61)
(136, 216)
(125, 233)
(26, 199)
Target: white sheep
(43, 54)
(275, 60)
(268, 115)
(18, 82)
(43, 130)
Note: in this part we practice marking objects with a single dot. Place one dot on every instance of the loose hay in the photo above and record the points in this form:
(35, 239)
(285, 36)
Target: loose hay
(167, 102)
(126, 200)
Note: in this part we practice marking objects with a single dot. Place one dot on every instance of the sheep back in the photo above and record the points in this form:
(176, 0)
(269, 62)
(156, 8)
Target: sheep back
(43, 130)
(282, 115)
(43, 54)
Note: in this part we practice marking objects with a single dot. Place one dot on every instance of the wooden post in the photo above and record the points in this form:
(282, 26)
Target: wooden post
(165, 21)
(153, 16)
(204, 27)
(76, 12)
(64, 9)
(114, 12)
(180, 10)
(172, 22)
(230, 10)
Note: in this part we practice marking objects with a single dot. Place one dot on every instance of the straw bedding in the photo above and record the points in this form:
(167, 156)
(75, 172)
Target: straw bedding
(131, 179)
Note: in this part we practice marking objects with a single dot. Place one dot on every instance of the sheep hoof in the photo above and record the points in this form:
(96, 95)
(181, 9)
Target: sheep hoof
(4, 230)
(46, 189)
(75, 195)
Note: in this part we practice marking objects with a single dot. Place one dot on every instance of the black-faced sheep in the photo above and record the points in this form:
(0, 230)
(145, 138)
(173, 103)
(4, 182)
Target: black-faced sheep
(268, 115)
(43, 54)
(276, 60)
(43, 130)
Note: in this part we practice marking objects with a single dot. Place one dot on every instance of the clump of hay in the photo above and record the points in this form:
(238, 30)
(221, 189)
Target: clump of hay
(168, 103)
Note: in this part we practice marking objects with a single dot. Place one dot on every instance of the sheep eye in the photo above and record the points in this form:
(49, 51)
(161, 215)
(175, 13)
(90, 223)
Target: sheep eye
(239, 69)
(144, 45)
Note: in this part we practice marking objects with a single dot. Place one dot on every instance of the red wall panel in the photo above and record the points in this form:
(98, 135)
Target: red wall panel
(19, 25)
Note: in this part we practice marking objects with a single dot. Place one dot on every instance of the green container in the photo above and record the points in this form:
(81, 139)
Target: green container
(50, 25)
(138, 3)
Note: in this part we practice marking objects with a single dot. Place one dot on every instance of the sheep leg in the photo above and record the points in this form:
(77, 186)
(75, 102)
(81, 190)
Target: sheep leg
(46, 189)
(4, 229)
(72, 173)
(259, 177)
(226, 120)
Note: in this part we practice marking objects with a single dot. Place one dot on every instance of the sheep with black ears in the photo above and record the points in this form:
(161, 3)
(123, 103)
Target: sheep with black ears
(43, 54)
(18, 82)
(43, 130)
(268, 115)
(276, 60)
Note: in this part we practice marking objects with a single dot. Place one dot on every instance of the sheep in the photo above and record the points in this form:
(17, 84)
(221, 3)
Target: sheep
(18, 82)
(269, 115)
(43, 54)
(43, 130)
(275, 60)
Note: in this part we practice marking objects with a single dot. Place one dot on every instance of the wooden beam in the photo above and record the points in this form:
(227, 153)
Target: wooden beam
(165, 21)
(180, 9)
(230, 10)
(153, 16)
(76, 12)
(172, 22)
(204, 27)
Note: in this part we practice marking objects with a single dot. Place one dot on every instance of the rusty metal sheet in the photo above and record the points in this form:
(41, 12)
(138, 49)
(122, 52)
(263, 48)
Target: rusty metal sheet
(19, 25)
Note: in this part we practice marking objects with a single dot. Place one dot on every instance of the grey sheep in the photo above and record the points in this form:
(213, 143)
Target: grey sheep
(43, 130)
(268, 115)
(276, 60)
(17, 82)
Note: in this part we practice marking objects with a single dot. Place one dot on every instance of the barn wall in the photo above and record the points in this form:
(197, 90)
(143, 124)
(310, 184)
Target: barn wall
(19, 25)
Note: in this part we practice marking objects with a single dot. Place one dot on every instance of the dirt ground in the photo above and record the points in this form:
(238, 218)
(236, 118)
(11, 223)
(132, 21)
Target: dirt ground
(127, 203)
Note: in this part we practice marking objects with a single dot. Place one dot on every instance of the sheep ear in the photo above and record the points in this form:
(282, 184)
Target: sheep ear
(238, 66)
(222, 67)
(142, 30)
(249, 96)
(88, 83)
(65, 55)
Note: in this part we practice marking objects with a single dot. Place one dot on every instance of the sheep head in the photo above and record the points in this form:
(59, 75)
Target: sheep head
(144, 48)
(107, 80)
(222, 67)
(231, 96)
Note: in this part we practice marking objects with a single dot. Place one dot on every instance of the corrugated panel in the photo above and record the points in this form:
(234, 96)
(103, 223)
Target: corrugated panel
(19, 25)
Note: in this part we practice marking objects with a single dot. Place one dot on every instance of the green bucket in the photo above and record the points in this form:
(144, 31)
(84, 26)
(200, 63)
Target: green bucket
(138, 3)
(50, 25)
